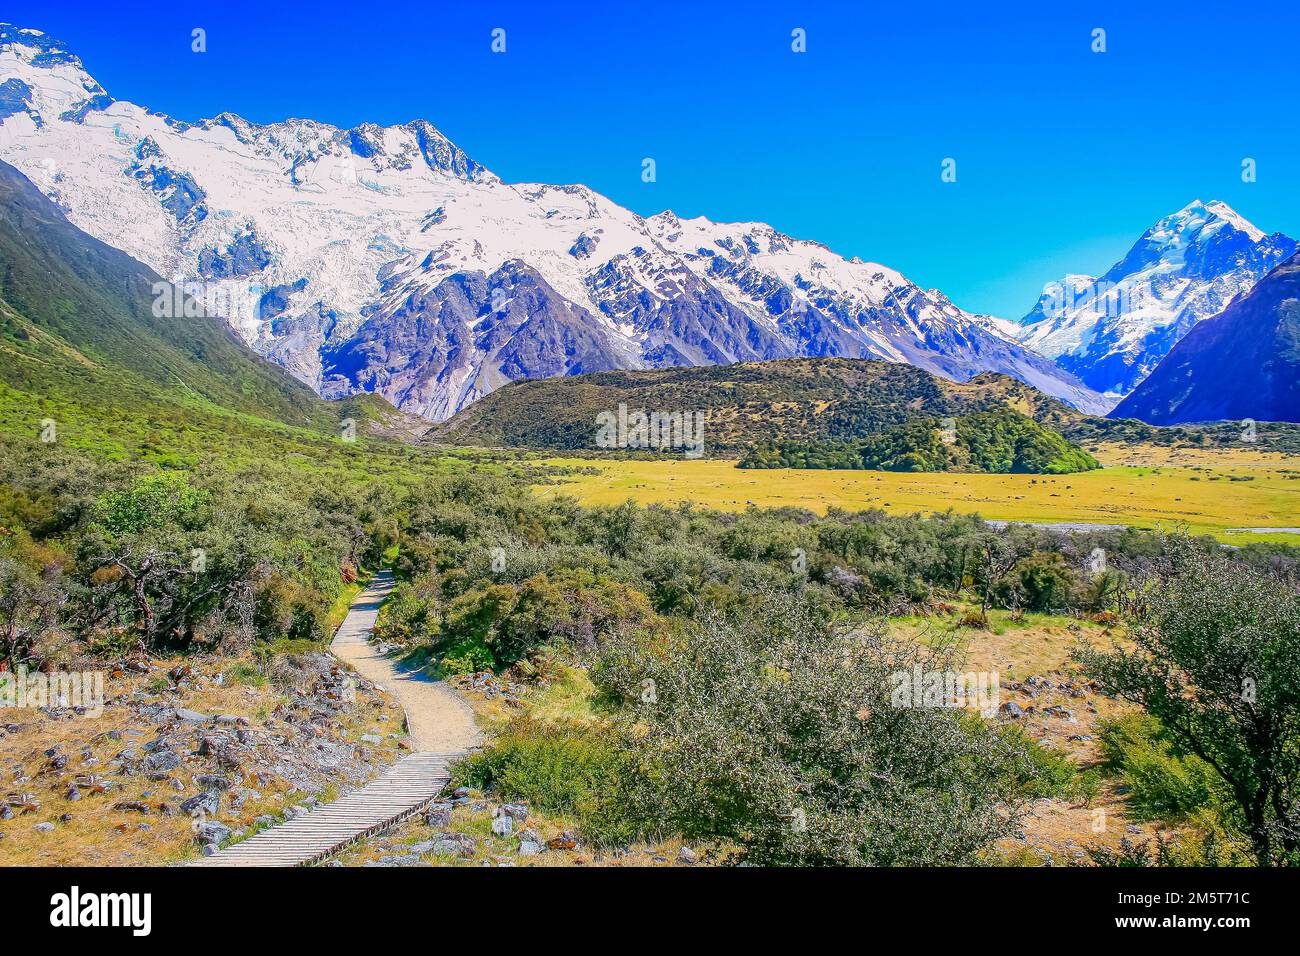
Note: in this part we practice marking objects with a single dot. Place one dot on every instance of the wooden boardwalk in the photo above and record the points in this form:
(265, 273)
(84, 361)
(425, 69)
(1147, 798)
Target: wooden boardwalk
(401, 792)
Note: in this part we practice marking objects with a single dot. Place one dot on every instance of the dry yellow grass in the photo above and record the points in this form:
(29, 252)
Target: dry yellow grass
(1213, 493)
(98, 835)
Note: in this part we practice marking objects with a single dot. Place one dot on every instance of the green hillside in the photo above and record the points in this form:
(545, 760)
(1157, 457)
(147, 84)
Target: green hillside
(999, 441)
(72, 303)
(808, 399)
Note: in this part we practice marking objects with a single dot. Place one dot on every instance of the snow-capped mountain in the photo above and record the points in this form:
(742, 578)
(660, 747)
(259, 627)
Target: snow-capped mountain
(1241, 364)
(385, 259)
(1112, 330)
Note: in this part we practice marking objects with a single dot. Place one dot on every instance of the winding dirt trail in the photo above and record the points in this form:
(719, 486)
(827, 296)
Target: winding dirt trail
(441, 726)
(437, 717)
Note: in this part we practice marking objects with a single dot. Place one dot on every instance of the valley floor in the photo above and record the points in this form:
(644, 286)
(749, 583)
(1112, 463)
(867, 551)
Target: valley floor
(1207, 492)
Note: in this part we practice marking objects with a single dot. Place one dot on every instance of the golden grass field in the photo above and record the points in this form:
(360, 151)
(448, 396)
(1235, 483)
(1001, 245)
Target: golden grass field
(1208, 492)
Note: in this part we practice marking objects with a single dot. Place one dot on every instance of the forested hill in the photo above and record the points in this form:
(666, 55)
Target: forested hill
(999, 441)
(808, 399)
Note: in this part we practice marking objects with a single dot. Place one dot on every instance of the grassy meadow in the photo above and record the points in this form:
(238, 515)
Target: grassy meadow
(1205, 491)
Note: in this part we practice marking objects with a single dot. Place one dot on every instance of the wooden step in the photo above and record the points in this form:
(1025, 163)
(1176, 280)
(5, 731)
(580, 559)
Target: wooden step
(402, 791)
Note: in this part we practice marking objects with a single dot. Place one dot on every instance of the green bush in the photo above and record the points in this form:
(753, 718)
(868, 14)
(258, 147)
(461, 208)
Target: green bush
(576, 772)
(777, 732)
(1041, 582)
(469, 656)
(1164, 785)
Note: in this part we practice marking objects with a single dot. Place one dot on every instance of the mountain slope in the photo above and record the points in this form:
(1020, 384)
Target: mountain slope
(1112, 330)
(385, 259)
(803, 399)
(1243, 363)
(72, 302)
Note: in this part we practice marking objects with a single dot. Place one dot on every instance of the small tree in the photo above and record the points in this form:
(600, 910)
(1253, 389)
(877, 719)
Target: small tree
(996, 557)
(1038, 582)
(1216, 659)
(29, 607)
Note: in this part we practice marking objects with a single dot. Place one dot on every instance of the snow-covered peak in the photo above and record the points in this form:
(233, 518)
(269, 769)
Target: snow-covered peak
(1112, 330)
(46, 79)
(1197, 222)
(51, 84)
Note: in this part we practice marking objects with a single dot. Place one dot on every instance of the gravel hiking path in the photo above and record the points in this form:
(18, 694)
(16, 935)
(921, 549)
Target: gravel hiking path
(438, 719)
(441, 728)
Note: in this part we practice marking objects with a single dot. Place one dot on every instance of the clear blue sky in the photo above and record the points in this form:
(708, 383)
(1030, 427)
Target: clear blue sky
(1063, 156)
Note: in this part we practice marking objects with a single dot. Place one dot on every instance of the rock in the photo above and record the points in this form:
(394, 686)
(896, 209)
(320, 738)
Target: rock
(371, 739)
(191, 716)
(43, 827)
(516, 811)
(207, 802)
(209, 849)
(131, 806)
(529, 848)
(455, 844)
(1012, 710)
(565, 841)
(74, 794)
(211, 832)
(212, 781)
(438, 815)
(687, 855)
(502, 825)
(160, 761)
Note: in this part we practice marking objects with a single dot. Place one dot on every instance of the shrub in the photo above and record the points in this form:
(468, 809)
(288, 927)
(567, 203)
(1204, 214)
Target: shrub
(777, 732)
(574, 771)
(466, 657)
(1213, 660)
(1040, 582)
(1164, 785)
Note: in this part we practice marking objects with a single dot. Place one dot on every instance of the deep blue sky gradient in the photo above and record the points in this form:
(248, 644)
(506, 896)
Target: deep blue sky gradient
(1063, 156)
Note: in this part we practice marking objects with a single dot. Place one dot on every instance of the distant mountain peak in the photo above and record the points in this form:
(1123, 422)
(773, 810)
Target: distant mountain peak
(1241, 364)
(1198, 220)
(1112, 330)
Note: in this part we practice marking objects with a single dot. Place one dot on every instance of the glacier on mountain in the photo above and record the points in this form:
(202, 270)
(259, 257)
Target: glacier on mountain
(385, 259)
